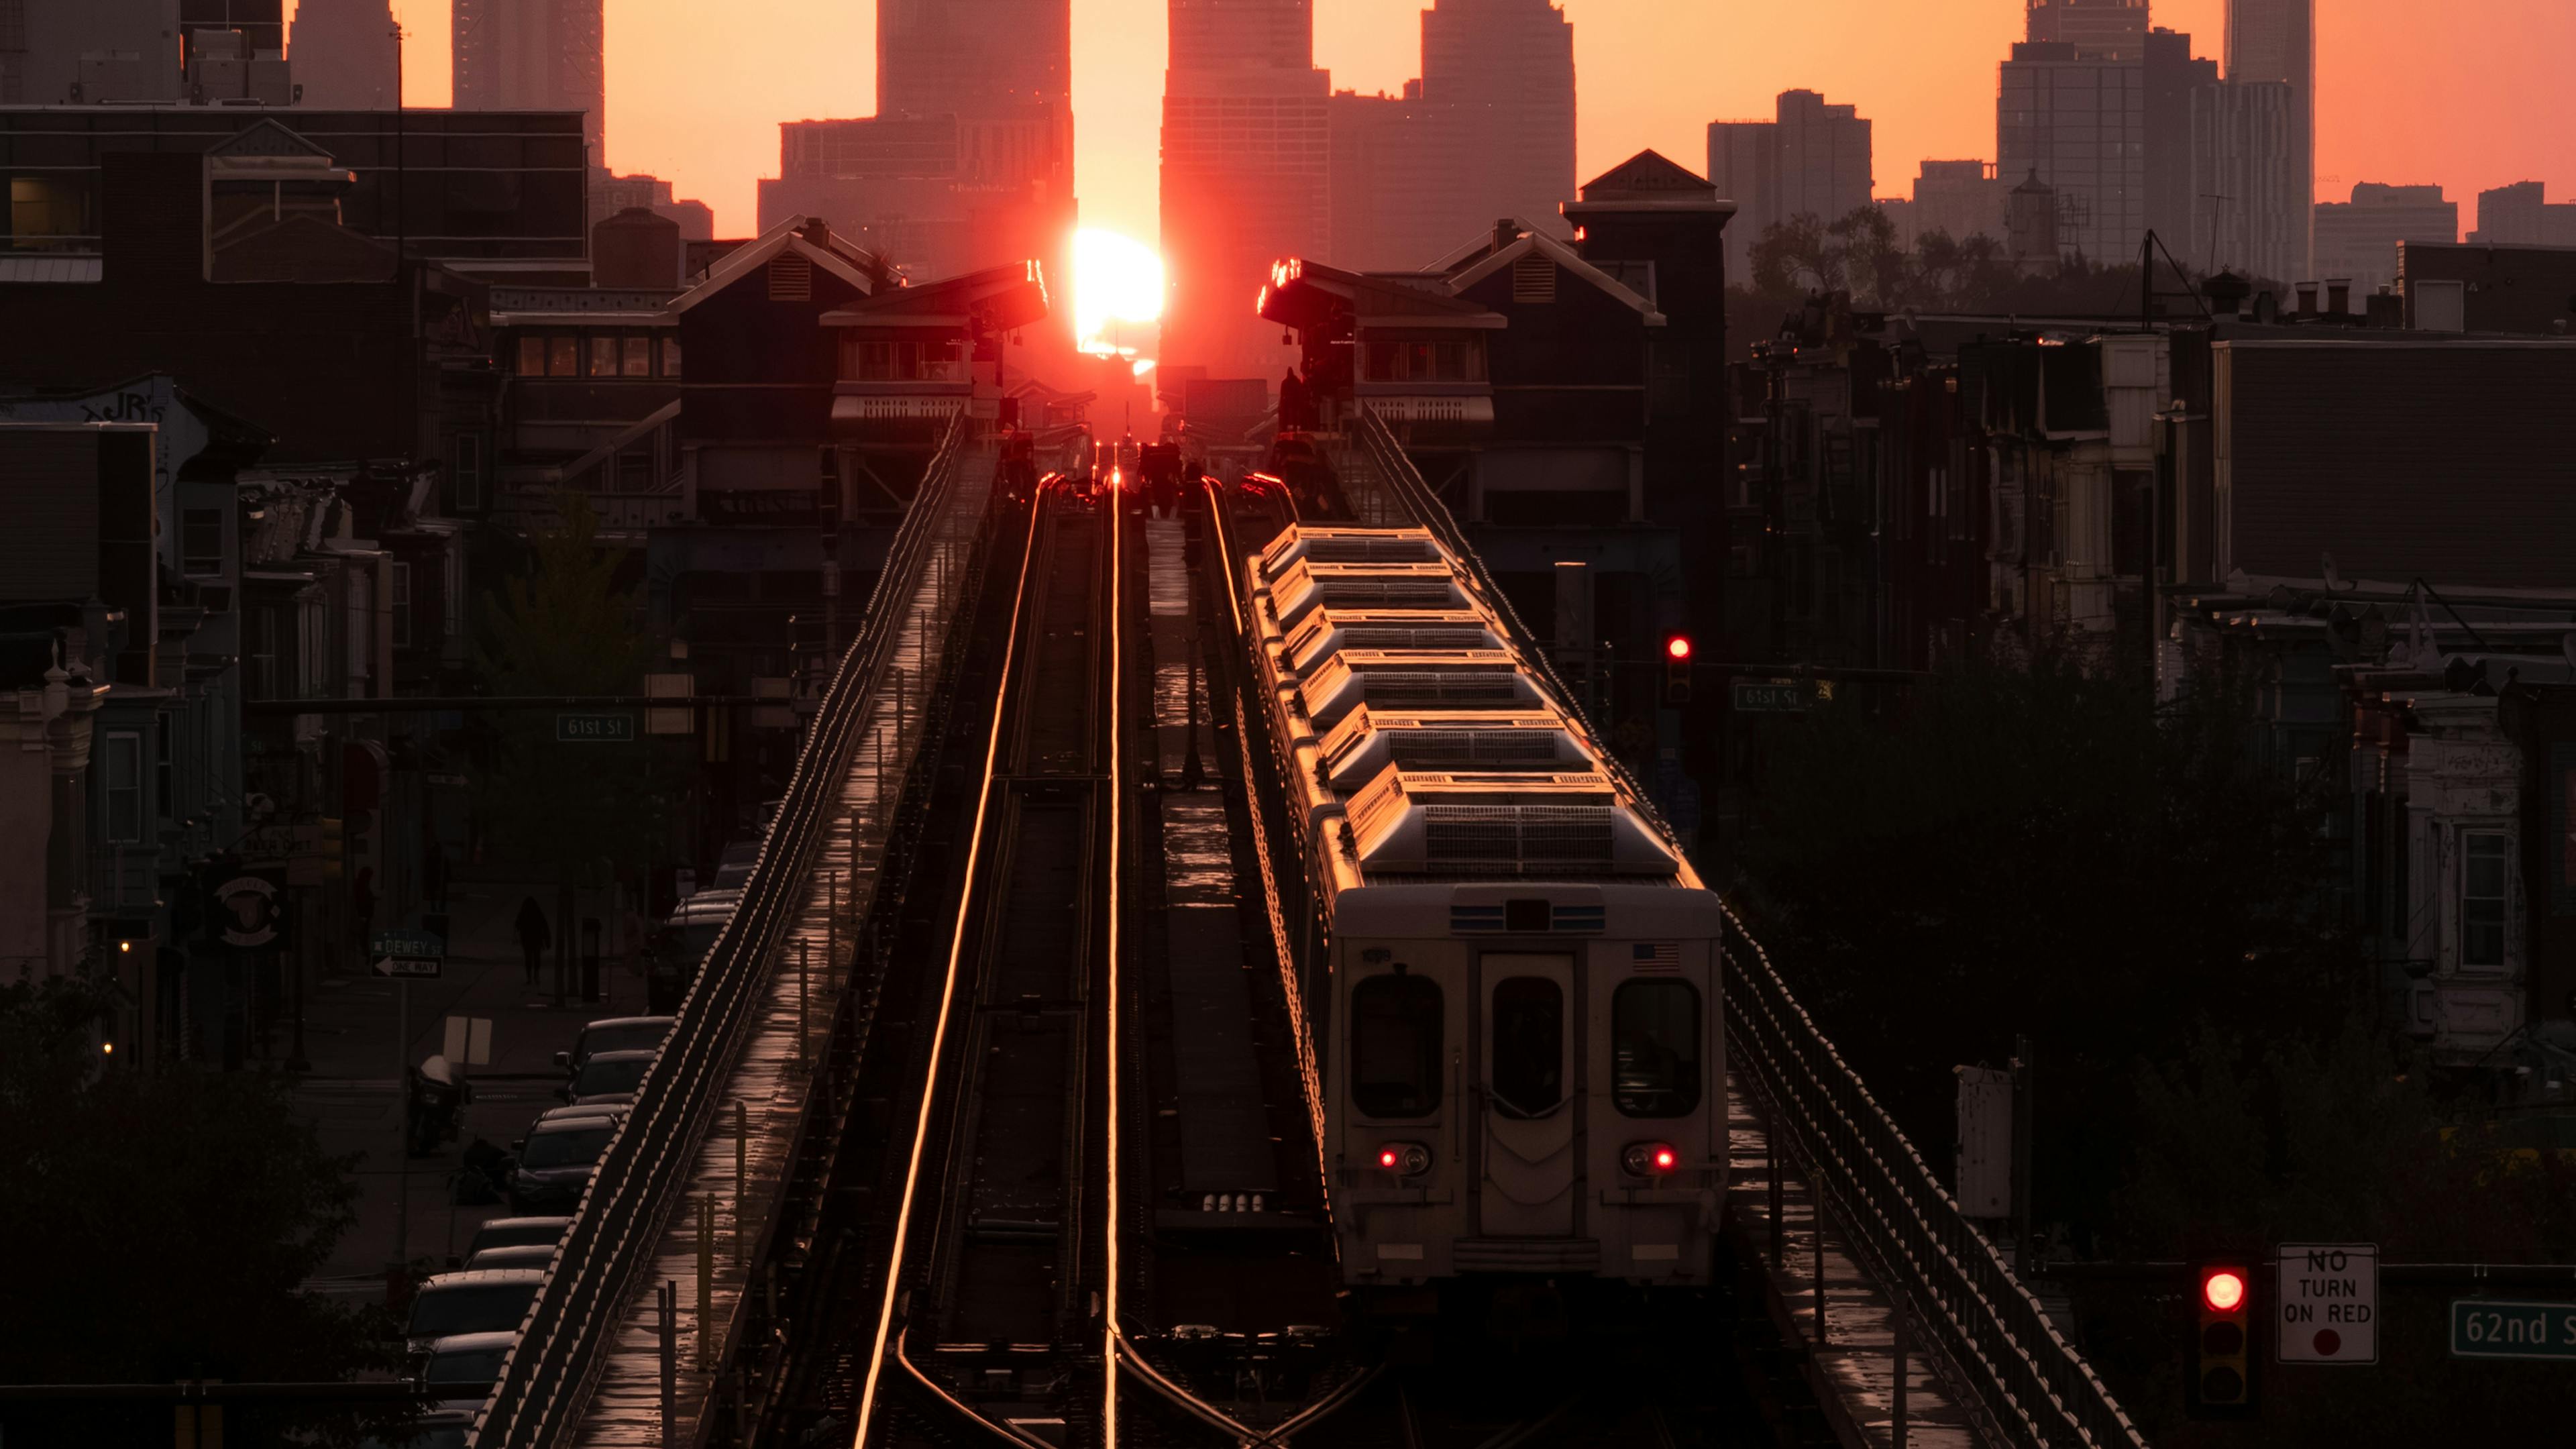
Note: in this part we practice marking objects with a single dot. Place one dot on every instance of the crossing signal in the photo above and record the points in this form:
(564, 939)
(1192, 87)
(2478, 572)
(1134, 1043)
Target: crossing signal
(1677, 669)
(2221, 1385)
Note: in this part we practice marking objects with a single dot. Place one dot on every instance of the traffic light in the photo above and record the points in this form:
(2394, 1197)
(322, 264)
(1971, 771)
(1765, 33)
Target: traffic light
(1677, 669)
(2221, 1385)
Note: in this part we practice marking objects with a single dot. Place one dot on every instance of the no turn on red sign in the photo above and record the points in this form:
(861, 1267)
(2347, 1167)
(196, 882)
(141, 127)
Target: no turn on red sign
(2329, 1303)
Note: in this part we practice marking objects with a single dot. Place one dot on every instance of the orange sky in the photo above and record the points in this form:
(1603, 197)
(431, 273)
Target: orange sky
(2468, 93)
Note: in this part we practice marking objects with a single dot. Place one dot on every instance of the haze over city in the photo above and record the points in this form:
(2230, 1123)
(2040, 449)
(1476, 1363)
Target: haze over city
(1471, 724)
(2467, 93)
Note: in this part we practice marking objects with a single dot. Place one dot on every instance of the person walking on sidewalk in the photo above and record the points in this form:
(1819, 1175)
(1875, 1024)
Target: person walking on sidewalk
(533, 932)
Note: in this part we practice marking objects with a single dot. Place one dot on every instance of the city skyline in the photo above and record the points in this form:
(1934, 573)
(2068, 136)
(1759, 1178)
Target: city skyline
(2395, 104)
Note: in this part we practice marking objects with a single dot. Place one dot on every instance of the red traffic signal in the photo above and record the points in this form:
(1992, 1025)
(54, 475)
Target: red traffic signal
(1677, 669)
(1677, 647)
(2221, 1382)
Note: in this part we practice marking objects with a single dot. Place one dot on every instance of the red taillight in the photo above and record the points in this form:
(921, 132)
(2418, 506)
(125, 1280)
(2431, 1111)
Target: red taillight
(1404, 1159)
(1650, 1159)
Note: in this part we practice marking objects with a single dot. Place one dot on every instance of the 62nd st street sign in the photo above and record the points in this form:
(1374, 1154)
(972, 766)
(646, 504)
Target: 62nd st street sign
(2492, 1328)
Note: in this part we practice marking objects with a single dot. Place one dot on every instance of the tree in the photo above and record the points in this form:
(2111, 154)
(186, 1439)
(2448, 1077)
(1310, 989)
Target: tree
(2038, 849)
(161, 1224)
(566, 628)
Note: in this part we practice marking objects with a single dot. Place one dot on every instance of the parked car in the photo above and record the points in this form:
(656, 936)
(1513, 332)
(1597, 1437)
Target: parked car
(512, 1232)
(606, 1077)
(463, 1367)
(517, 1255)
(491, 1300)
(733, 871)
(556, 1160)
(614, 1034)
(585, 1109)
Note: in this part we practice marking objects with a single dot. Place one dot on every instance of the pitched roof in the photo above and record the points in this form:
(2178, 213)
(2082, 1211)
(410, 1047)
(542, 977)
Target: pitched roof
(1647, 181)
(787, 236)
(1010, 295)
(1567, 258)
(268, 138)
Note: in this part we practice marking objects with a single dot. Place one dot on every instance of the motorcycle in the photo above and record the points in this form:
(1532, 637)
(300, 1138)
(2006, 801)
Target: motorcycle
(434, 1105)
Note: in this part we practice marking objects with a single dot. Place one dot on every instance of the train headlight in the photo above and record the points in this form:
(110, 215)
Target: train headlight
(1650, 1159)
(1404, 1159)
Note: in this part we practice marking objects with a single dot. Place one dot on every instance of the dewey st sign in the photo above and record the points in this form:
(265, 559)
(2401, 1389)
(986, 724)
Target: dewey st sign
(2329, 1303)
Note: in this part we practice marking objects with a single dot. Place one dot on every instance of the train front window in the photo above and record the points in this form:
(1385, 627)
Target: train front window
(1529, 1046)
(1395, 1046)
(1654, 1048)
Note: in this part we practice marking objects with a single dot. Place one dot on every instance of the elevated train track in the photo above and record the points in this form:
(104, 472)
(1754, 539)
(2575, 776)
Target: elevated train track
(1090, 1151)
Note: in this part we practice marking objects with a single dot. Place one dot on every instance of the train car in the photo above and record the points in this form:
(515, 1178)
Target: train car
(1517, 1030)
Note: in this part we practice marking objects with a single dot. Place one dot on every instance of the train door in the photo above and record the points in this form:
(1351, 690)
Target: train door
(1532, 1019)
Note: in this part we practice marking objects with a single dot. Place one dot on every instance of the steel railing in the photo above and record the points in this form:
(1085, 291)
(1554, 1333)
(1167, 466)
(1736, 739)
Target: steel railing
(2027, 1384)
(646, 1168)
(2030, 1385)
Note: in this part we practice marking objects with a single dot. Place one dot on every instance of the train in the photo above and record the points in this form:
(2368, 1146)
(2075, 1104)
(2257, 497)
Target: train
(1516, 1013)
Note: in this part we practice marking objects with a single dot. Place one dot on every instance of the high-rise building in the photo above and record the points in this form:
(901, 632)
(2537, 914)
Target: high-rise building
(345, 55)
(2079, 126)
(2520, 215)
(1503, 70)
(98, 52)
(1246, 167)
(2172, 76)
(2276, 40)
(1958, 199)
(968, 161)
(2358, 239)
(1003, 68)
(1486, 133)
(1810, 159)
(533, 55)
(2110, 28)
(2248, 218)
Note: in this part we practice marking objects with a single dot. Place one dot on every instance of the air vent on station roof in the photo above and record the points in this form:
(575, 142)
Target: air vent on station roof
(1534, 278)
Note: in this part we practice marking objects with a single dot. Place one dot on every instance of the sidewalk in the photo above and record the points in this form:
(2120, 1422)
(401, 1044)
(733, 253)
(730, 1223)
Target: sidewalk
(354, 1092)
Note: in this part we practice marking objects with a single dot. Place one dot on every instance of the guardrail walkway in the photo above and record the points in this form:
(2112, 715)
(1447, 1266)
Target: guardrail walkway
(696, 1172)
(735, 1184)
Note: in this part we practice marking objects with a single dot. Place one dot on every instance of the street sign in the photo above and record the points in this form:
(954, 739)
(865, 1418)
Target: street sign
(2491, 1328)
(2328, 1307)
(594, 729)
(409, 966)
(1769, 696)
(408, 943)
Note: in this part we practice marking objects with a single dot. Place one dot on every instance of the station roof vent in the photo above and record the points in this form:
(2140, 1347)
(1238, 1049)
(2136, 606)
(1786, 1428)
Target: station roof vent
(1303, 586)
(1324, 631)
(1544, 826)
(1348, 545)
(1426, 679)
(1369, 740)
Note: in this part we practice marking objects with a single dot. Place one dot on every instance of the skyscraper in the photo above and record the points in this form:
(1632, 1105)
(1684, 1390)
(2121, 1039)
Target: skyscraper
(345, 55)
(2078, 124)
(1503, 70)
(2276, 40)
(2358, 239)
(2248, 217)
(1003, 68)
(2098, 27)
(1246, 161)
(1810, 159)
(1486, 133)
(533, 55)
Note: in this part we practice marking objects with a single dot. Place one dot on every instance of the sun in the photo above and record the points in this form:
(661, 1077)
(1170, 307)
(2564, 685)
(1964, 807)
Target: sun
(1115, 279)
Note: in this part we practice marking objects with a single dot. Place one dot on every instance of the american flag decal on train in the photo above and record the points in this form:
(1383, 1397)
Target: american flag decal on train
(1657, 956)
